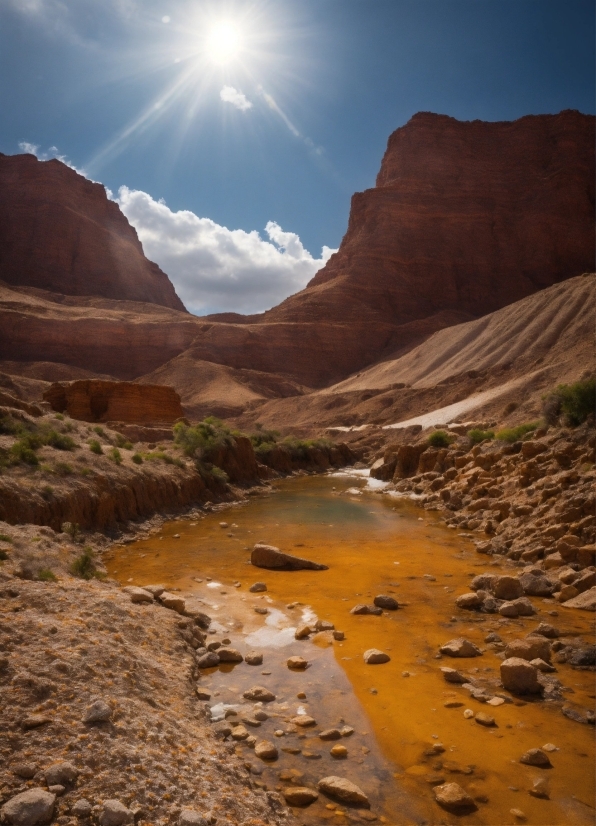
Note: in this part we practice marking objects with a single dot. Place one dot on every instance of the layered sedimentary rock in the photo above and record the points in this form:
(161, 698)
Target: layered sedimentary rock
(94, 400)
(466, 217)
(60, 232)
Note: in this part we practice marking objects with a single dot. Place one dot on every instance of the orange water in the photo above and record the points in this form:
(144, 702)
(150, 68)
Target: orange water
(374, 544)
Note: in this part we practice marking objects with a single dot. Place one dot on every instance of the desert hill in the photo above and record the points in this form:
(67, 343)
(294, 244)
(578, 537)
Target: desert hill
(60, 232)
(511, 356)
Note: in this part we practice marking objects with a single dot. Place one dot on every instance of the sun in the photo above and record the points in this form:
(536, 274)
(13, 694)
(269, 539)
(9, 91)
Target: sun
(224, 42)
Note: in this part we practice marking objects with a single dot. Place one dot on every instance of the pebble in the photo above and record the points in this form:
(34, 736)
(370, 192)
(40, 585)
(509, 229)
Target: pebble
(304, 721)
(299, 795)
(375, 657)
(258, 587)
(253, 658)
(302, 632)
(535, 757)
(339, 752)
(330, 734)
(343, 790)
(266, 751)
(452, 797)
(97, 712)
(485, 719)
(297, 663)
(540, 788)
(468, 713)
(114, 813)
(549, 747)
(259, 694)
(261, 610)
(518, 814)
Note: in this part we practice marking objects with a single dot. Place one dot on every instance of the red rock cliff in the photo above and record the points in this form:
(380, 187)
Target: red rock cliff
(60, 232)
(466, 218)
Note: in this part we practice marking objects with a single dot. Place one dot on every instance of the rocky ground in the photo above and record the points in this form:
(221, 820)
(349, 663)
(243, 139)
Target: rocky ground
(531, 500)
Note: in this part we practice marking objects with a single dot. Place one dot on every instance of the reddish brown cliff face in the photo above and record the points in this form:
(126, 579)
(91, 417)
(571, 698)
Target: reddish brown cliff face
(95, 400)
(466, 218)
(60, 232)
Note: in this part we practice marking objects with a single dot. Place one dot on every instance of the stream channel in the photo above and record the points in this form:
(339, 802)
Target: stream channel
(410, 732)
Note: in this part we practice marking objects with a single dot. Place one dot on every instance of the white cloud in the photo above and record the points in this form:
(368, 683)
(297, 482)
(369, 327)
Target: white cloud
(52, 152)
(236, 98)
(215, 269)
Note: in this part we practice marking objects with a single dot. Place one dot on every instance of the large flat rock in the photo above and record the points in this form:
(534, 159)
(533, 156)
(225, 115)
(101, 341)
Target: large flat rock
(268, 556)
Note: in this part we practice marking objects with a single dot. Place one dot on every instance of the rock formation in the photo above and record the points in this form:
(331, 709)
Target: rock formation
(60, 232)
(94, 400)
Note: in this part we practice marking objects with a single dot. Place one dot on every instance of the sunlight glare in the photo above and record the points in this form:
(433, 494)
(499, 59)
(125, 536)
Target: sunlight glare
(223, 43)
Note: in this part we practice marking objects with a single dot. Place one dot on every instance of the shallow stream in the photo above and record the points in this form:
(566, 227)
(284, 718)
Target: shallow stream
(374, 544)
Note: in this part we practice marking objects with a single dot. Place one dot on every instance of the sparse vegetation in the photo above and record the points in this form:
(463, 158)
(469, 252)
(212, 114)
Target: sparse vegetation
(72, 529)
(115, 456)
(137, 458)
(45, 575)
(59, 416)
(99, 430)
(198, 440)
(514, 434)
(573, 402)
(509, 408)
(63, 469)
(59, 441)
(476, 435)
(47, 491)
(4, 537)
(439, 438)
(95, 447)
(84, 565)
(123, 442)
(22, 451)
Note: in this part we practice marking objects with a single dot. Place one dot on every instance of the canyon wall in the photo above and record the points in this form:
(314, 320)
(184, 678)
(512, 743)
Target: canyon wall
(94, 400)
(60, 232)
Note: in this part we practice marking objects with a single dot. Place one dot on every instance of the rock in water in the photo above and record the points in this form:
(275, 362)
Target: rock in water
(268, 556)
(344, 790)
(259, 694)
(375, 657)
(519, 676)
(585, 601)
(536, 757)
(386, 602)
(29, 808)
(299, 795)
(452, 797)
(460, 647)
(266, 750)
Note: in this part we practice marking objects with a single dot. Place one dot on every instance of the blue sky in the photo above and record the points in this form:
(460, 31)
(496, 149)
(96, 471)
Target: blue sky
(210, 153)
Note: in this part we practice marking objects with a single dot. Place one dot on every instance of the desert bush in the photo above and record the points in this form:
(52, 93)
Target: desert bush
(95, 447)
(63, 469)
(476, 435)
(439, 438)
(115, 456)
(514, 434)
(122, 441)
(45, 575)
(59, 416)
(99, 430)
(196, 440)
(264, 437)
(71, 528)
(23, 452)
(84, 565)
(9, 425)
(219, 474)
(574, 402)
(137, 459)
(4, 537)
(58, 440)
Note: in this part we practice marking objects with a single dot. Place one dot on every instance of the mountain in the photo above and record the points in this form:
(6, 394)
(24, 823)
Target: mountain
(60, 232)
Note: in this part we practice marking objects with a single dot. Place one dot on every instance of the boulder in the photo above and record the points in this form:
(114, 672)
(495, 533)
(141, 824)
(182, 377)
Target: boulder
(98, 712)
(585, 601)
(386, 602)
(469, 601)
(535, 584)
(259, 694)
(536, 757)
(299, 795)
(460, 647)
(507, 588)
(173, 601)
(375, 657)
(268, 556)
(114, 813)
(208, 660)
(258, 587)
(529, 649)
(194, 609)
(82, 808)
(302, 632)
(190, 817)
(138, 595)
(266, 750)
(227, 654)
(344, 790)
(297, 663)
(62, 773)
(367, 609)
(253, 658)
(29, 808)
(519, 676)
(452, 797)
(452, 676)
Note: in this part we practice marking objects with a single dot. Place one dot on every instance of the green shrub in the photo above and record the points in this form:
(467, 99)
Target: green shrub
(10, 426)
(59, 416)
(71, 528)
(45, 575)
(264, 437)
(23, 452)
(4, 537)
(99, 430)
(63, 469)
(575, 402)
(219, 474)
(137, 458)
(207, 435)
(84, 565)
(85, 471)
(121, 441)
(514, 434)
(115, 456)
(95, 447)
(59, 440)
(476, 436)
(439, 438)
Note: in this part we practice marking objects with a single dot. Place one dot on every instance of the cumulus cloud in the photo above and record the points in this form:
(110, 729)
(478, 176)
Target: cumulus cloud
(52, 152)
(230, 95)
(216, 269)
